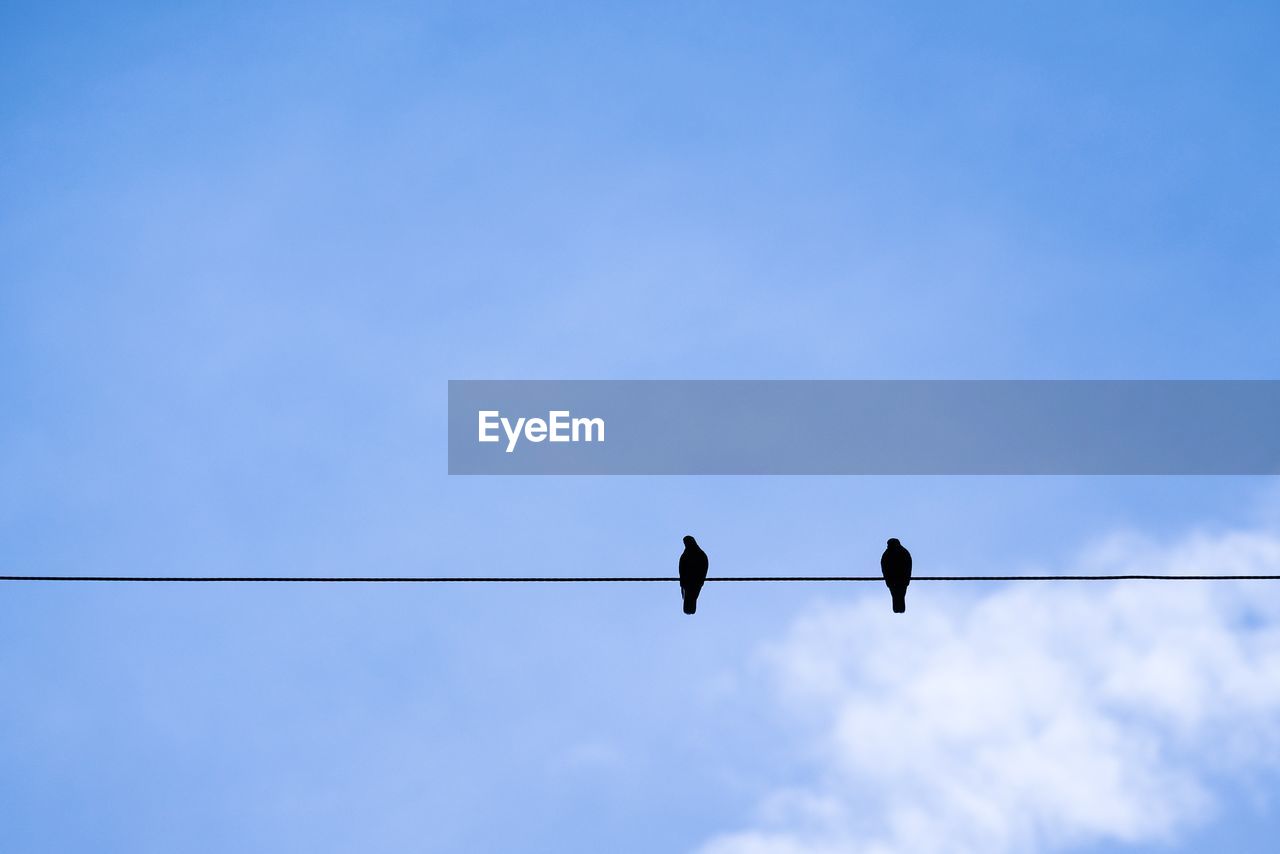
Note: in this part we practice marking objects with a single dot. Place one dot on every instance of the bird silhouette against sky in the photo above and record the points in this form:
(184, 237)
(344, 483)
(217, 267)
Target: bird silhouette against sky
(895, 566)
(693, 572)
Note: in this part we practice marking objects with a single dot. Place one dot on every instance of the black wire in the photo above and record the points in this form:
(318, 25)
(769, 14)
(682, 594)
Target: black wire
(448, 579)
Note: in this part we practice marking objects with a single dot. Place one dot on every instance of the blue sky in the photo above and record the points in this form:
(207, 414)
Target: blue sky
(244, 246)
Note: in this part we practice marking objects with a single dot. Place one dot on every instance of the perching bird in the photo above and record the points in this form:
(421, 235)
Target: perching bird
(895, 566)
(693, 572)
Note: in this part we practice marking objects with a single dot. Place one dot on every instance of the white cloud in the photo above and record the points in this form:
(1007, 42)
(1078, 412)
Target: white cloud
(1032, 717)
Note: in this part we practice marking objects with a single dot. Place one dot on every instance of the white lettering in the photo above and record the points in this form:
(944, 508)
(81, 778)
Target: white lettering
(512, 435)
(588, 423)
(557, 427)
(486, 425)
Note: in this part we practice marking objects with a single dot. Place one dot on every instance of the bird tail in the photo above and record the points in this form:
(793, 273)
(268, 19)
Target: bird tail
(690, 601)
(899, 602)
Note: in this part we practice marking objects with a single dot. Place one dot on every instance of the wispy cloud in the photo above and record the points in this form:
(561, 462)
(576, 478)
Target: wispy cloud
(1032, 718)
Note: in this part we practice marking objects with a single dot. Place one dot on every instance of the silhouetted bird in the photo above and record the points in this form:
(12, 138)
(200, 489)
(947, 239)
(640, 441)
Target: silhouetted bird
(895, 566)
(693, 572)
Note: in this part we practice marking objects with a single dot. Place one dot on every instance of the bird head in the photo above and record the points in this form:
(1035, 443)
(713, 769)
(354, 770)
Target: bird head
(690, 541)
(893, 541)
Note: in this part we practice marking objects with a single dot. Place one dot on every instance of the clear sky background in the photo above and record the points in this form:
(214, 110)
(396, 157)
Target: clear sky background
(244, 246)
